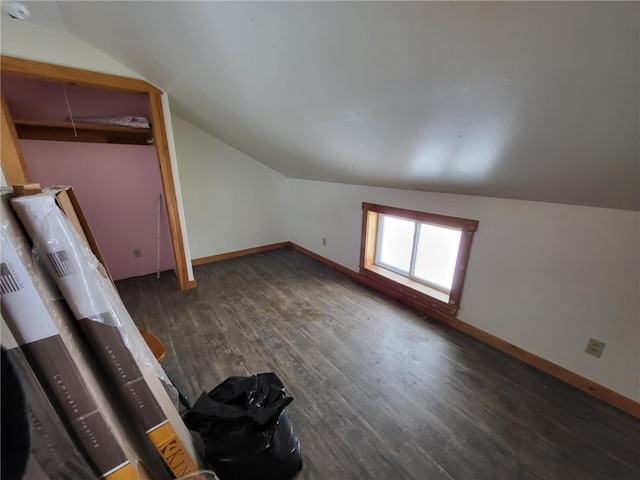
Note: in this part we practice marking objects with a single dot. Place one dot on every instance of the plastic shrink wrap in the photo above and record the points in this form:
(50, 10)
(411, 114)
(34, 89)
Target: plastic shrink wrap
(96, 305)
(33, 327)
(52, 449)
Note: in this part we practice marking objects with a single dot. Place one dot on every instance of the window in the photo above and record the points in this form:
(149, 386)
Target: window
(421, 255)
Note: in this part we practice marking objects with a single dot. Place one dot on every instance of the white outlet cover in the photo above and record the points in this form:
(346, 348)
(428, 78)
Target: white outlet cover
(595, 347)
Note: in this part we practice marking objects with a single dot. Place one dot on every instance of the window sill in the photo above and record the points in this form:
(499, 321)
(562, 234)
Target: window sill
(410, 288)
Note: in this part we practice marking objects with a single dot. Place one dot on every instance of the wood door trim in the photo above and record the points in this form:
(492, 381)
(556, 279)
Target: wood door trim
(12, 159)
(21, 67)
(166, 175)
(13, 164)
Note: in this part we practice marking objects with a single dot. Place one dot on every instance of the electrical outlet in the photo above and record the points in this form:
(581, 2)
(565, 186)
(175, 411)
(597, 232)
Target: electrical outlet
(137, 253)
(595, 347)
(324, 242)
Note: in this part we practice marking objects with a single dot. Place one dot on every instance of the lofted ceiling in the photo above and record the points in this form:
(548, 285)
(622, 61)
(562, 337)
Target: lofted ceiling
(535, 101)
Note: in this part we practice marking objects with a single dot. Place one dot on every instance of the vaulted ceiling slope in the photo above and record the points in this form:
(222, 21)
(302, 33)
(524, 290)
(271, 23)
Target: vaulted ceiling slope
(536, 101)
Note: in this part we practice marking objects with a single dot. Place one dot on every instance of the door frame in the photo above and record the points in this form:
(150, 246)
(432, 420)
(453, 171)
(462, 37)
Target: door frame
(15, 169)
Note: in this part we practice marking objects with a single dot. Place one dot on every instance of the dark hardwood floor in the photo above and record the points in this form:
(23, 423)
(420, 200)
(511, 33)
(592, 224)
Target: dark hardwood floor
(380, 391)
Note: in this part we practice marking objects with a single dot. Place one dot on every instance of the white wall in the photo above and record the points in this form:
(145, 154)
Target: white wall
(26, 40)
(544, 277)
(231, 201)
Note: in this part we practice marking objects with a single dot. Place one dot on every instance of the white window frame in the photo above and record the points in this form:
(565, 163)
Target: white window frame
(412, 264)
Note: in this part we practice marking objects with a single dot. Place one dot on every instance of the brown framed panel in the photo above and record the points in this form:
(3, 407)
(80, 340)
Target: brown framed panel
(364, 257)
(464, 251)
(405, 285)
(369, 231)
(12, 159)
(464, 224)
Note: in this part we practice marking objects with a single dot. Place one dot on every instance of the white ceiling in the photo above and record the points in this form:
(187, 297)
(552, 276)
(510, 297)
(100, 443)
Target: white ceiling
(535, 101)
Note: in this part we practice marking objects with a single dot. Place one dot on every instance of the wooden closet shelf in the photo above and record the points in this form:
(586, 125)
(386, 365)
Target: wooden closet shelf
(86, 132)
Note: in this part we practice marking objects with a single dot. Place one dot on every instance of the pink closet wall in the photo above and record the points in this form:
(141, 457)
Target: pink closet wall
(118, 188)
(117, 185)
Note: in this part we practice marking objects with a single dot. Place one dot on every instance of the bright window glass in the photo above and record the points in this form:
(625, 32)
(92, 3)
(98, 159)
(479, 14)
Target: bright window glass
(395, 243)
(436, 255)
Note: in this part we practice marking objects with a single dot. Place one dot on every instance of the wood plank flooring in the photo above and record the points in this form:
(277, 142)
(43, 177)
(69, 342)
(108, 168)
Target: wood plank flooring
(380, 391)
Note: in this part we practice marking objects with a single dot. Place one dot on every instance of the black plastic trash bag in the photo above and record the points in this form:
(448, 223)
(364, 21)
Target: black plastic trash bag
(246, 431)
